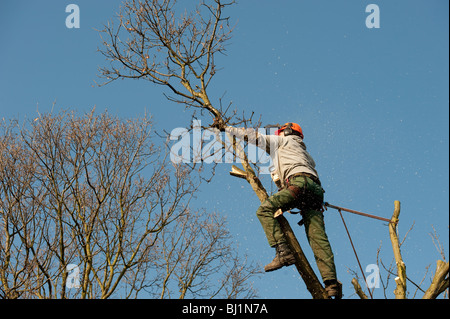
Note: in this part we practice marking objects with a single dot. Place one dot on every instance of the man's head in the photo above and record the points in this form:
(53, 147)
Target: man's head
(290, 129)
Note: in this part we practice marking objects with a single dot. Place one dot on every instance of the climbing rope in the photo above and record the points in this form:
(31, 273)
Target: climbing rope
(340, 209)
(354, 250)
(357, 213)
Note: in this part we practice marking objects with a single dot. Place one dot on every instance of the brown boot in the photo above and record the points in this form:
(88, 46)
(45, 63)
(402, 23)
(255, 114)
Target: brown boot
(283, 257)
(333, 289)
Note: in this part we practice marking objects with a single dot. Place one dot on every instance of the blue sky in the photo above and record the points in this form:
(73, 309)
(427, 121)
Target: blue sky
(373, 105)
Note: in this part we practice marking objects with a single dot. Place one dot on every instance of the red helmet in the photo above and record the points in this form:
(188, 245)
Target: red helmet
(289, 129)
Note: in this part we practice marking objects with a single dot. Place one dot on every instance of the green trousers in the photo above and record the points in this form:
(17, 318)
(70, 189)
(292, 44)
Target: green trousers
(313, 222)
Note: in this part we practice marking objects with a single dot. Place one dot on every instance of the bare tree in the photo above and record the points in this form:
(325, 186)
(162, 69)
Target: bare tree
(83, 203)
(196, 249)
(19, 217)
(163, 42)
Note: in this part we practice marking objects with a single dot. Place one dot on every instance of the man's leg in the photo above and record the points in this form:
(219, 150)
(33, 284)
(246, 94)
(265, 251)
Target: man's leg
(318, 240)
(284, 256)
(314, 225)
(284, 200)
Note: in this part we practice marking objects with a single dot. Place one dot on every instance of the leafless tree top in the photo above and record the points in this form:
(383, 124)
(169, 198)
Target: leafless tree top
(163, 42)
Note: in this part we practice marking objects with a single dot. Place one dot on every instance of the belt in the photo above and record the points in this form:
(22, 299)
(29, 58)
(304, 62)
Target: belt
(314, 178)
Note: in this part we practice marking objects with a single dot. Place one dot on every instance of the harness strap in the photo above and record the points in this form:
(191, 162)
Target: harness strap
(303, 196)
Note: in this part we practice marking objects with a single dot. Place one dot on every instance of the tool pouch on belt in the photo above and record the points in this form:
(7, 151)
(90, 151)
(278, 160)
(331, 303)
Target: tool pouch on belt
(309, 196)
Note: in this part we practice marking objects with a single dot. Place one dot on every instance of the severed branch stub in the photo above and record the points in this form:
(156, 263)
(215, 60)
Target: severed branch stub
(237, 172)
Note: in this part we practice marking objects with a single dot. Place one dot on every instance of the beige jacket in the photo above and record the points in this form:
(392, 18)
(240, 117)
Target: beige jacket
(288, 153)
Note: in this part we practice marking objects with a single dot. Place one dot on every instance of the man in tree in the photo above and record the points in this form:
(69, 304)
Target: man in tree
(300, 188)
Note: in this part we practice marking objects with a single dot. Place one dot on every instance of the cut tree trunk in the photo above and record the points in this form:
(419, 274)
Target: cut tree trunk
(400, 290)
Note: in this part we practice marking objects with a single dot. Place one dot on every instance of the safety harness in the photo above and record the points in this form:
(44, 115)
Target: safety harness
(304, 197)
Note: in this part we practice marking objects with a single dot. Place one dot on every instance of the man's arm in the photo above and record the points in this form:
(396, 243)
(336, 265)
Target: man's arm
(263, 141)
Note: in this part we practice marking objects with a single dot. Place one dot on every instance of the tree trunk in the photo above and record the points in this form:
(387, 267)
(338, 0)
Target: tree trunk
(301, 262)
